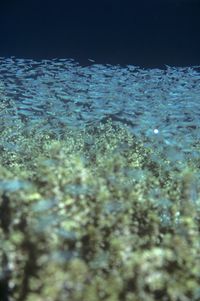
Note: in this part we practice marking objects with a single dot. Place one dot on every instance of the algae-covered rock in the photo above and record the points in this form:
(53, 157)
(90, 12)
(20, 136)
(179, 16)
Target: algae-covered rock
(93, 216)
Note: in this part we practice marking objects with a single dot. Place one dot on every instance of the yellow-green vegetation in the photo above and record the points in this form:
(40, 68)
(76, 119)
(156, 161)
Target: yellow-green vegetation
(92, 217)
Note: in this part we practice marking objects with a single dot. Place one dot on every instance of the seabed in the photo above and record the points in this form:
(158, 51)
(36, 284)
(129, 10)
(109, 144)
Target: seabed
(99, 182)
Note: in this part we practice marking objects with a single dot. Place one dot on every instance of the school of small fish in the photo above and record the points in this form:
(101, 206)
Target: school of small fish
(161, 104)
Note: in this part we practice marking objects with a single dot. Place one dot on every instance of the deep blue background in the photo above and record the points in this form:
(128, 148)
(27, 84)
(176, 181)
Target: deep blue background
(147, 33)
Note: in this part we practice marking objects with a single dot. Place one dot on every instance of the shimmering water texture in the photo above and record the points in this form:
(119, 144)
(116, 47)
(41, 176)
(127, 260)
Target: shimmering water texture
(99, 182)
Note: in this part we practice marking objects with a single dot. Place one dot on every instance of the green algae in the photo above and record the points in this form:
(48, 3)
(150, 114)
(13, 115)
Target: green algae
(93, 216)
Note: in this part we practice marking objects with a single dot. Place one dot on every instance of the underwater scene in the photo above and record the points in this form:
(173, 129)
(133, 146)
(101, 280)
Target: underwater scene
(99, 182)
